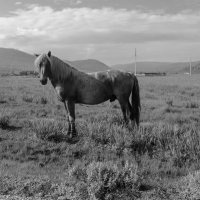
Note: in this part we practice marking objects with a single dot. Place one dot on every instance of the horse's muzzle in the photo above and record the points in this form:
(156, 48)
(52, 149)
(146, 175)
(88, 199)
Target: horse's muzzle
(43, 81)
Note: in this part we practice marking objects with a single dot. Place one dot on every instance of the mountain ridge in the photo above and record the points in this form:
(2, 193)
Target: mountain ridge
(85, 65)
(15, 61)
(167, 67)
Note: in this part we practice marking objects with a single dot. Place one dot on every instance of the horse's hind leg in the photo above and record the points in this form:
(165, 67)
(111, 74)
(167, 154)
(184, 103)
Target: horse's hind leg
(124, 108)
(131, 113)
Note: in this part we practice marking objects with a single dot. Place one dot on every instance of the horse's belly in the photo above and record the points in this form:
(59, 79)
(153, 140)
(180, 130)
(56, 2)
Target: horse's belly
(92, 100)
(93, 97)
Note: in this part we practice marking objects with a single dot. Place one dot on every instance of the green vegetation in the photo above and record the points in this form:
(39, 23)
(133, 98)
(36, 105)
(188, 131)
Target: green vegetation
(160, 160)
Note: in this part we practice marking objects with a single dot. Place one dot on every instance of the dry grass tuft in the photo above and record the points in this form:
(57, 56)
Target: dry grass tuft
(45, 128)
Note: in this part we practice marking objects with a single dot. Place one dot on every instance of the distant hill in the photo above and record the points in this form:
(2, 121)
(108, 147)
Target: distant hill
(12, 60)
(195, 68)
(15, 61)
(143, 66)
(168, 67)
(90, 65)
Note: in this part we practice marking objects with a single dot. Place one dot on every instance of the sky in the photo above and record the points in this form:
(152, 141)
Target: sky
(107, 30)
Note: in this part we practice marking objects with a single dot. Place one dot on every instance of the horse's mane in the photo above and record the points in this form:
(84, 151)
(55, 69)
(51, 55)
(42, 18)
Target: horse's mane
(61, 70)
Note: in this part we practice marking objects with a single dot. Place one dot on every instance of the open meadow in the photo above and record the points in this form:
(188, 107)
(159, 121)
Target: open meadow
(160, 160)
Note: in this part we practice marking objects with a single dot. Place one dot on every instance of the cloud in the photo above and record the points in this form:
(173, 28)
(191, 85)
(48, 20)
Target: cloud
(18, 3)
(75, 2)
(41, 27)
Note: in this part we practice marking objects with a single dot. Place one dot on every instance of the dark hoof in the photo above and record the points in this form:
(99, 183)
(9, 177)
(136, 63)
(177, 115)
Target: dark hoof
(73, 137)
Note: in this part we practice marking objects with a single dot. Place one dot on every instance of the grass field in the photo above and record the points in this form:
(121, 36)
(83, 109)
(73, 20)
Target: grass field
(160, 160)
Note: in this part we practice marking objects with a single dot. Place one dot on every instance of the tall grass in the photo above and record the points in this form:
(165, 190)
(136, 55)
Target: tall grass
(45, 128)
(160, 160)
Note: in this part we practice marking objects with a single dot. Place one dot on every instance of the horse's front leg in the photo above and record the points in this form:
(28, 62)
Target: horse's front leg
(71, 116)
(67, 116)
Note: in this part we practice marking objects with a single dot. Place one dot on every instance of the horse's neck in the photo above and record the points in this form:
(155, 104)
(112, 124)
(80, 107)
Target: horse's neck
(62, 71)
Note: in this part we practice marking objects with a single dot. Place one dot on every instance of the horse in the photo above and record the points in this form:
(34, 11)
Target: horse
(73, 86)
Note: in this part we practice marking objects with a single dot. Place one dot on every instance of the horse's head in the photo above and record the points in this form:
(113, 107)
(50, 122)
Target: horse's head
(43, 65)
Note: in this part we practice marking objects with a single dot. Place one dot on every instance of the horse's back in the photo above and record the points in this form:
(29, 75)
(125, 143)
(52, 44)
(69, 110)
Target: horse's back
(112, 76)
(122, 83)
(104, 77)
(119, 83)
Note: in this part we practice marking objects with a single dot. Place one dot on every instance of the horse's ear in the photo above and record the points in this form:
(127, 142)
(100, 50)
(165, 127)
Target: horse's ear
(36, 55)
(49, 54)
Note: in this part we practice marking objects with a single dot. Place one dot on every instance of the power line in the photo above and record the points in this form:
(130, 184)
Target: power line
(135, 62)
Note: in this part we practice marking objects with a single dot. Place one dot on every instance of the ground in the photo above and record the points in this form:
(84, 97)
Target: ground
(160, 160)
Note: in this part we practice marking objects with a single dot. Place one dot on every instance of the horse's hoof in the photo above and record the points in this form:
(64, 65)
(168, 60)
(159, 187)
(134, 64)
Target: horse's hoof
(73, 136)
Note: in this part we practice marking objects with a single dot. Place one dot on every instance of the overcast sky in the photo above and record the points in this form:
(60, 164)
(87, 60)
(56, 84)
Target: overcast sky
(107, 30)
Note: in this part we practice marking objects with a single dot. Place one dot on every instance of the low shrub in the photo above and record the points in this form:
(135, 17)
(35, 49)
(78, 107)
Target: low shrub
(45, 128)
(27, 98)
(107, 180)
(192, 105)
(190, 186)
(169, 102)
(42, 100)
(2, 100)
(4, 121)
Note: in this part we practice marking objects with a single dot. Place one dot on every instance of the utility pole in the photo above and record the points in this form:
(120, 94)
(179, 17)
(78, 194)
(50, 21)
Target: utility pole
(190, 67)
(135, 62)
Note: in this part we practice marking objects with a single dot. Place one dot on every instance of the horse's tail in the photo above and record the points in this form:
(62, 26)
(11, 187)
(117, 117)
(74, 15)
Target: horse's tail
(135, 101)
